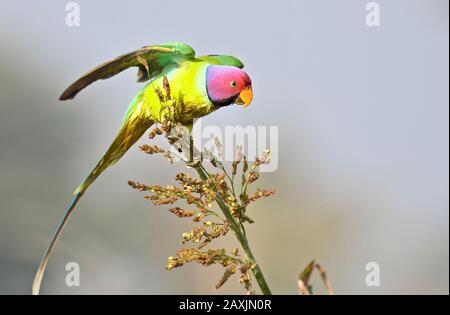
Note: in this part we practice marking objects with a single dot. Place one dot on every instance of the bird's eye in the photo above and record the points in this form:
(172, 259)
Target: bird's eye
(233, 83)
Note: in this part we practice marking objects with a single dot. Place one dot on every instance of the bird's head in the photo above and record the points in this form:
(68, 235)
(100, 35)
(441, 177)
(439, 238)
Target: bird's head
(227, 85)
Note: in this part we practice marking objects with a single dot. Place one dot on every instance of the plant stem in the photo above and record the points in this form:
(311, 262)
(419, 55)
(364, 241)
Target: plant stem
(242, 240)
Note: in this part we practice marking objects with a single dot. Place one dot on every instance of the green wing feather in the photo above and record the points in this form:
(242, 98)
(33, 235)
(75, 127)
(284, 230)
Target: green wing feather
(222, 60)
(151, 61)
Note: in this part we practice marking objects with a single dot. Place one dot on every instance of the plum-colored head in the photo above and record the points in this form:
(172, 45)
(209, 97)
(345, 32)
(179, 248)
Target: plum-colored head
(227, 85)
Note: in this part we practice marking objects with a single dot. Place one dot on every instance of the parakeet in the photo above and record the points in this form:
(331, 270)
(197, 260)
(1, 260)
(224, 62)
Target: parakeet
(205, 84)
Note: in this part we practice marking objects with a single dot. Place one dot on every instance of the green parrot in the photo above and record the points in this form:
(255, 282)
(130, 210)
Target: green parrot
(204, 84)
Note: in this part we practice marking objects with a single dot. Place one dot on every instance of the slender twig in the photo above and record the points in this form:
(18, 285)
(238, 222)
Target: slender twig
(237, 227)
(230, 179)
(241, 239)
(326, 281)
(303, 280)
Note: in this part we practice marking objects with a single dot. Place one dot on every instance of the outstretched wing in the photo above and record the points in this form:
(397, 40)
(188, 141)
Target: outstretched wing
(222, 60)
(150, 60)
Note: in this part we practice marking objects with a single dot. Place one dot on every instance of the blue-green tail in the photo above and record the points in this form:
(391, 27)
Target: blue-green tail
(130, 132)
(41, 270)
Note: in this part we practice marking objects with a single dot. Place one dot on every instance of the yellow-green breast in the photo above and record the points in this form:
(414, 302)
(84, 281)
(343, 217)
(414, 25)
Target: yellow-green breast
(188, 91)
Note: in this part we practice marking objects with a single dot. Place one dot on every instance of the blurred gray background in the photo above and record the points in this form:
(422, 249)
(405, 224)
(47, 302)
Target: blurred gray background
(363, 149)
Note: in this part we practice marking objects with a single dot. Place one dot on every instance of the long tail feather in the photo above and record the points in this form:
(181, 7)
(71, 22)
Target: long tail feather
(41, 270)
(127, 136)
